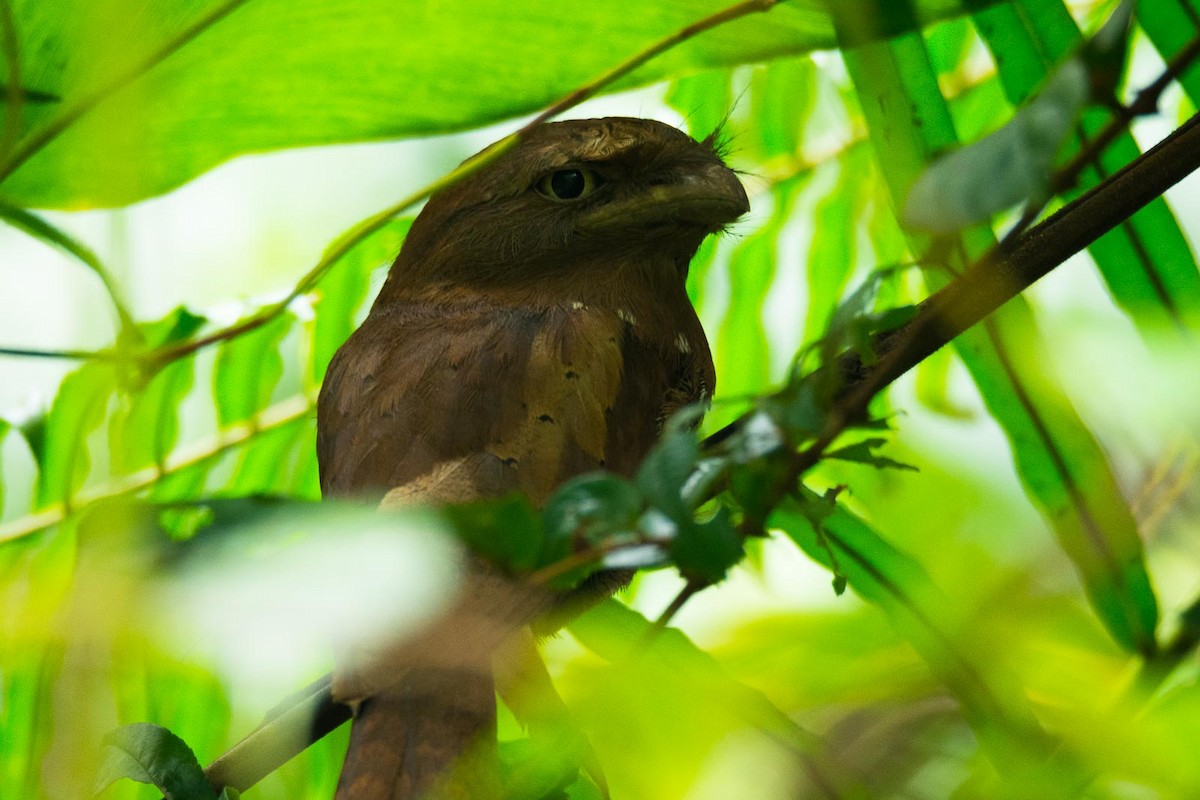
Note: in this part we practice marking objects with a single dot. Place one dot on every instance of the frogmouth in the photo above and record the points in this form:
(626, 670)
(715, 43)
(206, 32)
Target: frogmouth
(535, 326)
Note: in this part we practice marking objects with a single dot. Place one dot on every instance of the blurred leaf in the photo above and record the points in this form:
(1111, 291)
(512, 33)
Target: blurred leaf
(706, 550)
(704, 100)
(37, 227)
(266, 465)
(1105, 52)
(247, 369)
(508, 532)
(190, 87)
(149, 754)
(1170, 25)
(1146, 261)
(342, 291)
(78, 410)
(743, 351)
(146, 427)
(5, 427)
(783, 95)
(1062, 466)
(590, 509)
(1011, 166)
(832, 253)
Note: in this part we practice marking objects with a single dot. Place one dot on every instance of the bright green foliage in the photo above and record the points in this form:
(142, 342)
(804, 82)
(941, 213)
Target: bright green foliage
(992, 628)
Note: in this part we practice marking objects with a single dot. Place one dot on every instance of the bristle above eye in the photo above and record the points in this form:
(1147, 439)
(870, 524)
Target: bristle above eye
(719, 142)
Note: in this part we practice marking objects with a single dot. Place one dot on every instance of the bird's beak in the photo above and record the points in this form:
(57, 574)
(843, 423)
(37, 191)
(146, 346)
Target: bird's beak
(707, 195)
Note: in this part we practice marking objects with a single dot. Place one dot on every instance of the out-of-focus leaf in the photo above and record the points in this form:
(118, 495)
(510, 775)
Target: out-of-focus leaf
(189, 87)
(1010, 166)
(1062, 466)
(507, 531)
(593, 508)
(1104, 54)
(889, 578)
(670, 673)
(5, 427)
(832, 254)
(1146, 262)
(706, 550)
(248, 367)
(77, 411)
(783, 95)
(703, 100)
(743, 352)
(149, 754)
(1171, 24)
(342, 291)
(145, 429)
(266, 465)
(37, 227)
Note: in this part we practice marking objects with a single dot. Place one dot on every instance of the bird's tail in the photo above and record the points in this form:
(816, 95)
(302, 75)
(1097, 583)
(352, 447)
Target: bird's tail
(430, 736)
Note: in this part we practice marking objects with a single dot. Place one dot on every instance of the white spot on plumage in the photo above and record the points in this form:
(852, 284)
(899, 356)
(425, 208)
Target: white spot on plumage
(683, 344)
(577, 306)
(626, 316)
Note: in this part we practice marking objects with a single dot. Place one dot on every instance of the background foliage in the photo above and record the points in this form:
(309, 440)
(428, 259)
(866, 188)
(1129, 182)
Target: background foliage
(1021, 614)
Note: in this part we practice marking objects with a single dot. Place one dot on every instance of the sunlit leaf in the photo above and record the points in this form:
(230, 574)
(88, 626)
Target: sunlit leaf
(78, 410)
(247, 370)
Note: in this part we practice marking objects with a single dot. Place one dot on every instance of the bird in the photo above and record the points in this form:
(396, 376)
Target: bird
(534, 327)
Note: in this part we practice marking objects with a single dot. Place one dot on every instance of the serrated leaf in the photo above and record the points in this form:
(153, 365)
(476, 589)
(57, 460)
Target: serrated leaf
(150, 754)
(666, 469)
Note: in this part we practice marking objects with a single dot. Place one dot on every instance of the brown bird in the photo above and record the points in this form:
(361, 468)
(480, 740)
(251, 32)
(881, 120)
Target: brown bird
(534, 327)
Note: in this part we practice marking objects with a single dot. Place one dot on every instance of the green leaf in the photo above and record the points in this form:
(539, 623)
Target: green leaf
(149, 754)
(863, 453)
(187, 87)
(666, 469)
(78, 410)
(508, 532)
(706, 550)
(37, 227)
(590, 509)
(146, 427)
(1011, 166)
(832, 253)
(1062, 466)
(743, 351)
(5, 427)
(341, 292)
(247, 369)
(892, 580)
(1171, 25)
(1146, 262)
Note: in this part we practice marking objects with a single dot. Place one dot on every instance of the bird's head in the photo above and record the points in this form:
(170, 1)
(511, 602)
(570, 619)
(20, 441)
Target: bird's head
(570, 196)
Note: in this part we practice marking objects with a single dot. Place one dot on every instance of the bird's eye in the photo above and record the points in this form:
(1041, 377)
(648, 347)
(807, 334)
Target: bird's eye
(569, 184)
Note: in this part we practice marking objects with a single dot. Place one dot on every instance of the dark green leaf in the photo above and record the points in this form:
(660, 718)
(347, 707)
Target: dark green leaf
(706, 550)
(863, 453)
(590, 508)
(149, 754)
(507, 532)
(666, 469)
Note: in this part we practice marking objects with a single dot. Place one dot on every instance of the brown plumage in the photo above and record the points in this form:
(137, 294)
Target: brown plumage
(534, 327)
